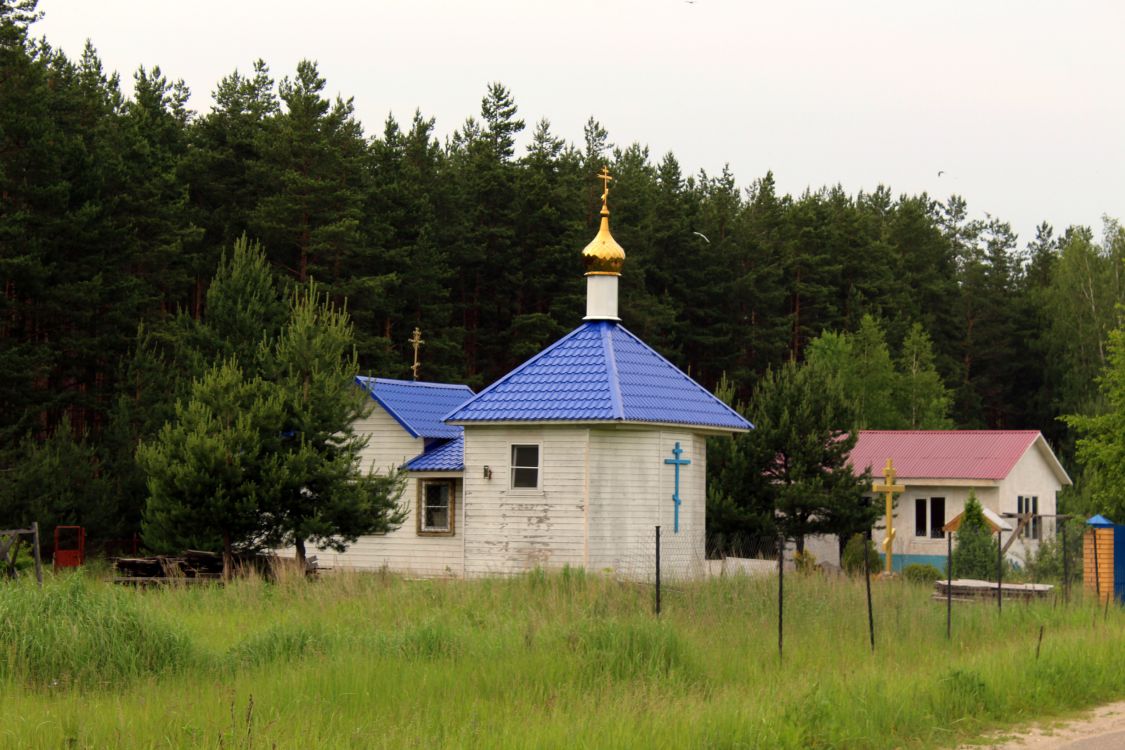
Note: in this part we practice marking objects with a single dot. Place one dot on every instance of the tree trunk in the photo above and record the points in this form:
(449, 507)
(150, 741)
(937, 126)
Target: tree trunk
(301, 561)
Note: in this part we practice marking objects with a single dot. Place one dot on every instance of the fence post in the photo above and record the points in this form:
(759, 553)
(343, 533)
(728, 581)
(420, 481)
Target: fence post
(1066, 566)
(867, 579)
(999, 572)
(657, 570)
(948, 585)
(780, 593)
(38, 558)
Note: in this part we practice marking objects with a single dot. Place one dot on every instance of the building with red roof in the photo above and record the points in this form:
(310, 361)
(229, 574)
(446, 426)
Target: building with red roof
(1010, 471)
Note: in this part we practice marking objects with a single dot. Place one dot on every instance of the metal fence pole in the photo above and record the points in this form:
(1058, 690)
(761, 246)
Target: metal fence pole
(948, 585)
(1066, 566)
(657, 570)
(867, 579)
(999, 572)
(780, 592)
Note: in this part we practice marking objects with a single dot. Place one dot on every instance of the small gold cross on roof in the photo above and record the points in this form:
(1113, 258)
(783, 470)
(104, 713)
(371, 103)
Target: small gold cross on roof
(416, 340)
(605, 177)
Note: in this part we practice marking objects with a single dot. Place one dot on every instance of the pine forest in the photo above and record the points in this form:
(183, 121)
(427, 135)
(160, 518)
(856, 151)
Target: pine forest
(116, 213)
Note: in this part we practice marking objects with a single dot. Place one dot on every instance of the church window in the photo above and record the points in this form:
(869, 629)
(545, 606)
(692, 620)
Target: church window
(436, 505)
(525, 467)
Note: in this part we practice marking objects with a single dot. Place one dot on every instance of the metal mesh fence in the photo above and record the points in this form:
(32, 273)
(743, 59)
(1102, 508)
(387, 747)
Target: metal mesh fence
(689, 556)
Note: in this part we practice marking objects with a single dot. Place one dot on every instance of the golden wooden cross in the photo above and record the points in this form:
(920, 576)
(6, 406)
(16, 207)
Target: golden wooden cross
(605, 177)
(416, 340)
(888, 488)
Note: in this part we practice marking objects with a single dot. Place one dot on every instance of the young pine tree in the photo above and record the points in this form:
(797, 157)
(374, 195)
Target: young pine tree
(327, 499)
(215, 471)
(795, 461)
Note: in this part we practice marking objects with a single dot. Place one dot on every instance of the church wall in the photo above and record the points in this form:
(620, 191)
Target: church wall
(402, 550)
(631, 492)
(390, 445)
(512, 530)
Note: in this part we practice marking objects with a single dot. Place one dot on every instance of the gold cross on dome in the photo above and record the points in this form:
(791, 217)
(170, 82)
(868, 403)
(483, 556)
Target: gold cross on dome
(605, 177)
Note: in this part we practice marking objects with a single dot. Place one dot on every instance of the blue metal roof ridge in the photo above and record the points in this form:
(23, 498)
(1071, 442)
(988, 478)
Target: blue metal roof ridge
(685, 376)
(417, 383)
(518, 370)
(611, 366)
(369, 386)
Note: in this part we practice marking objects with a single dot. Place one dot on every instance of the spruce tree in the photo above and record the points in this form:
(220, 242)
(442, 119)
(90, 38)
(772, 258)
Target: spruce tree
(974, 554)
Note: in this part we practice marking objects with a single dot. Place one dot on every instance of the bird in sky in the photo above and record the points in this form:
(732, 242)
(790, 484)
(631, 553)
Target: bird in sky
(940, 172)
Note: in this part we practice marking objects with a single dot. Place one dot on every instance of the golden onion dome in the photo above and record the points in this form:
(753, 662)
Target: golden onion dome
(603, 256)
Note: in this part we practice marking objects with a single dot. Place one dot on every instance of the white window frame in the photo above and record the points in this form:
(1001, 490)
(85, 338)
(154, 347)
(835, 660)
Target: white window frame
(512, 467)
(422, 528)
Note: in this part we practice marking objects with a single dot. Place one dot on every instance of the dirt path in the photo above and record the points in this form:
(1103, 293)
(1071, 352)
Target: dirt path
(1103, 727)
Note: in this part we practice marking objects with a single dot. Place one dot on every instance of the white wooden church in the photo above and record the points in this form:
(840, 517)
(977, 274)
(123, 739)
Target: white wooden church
(572, 458)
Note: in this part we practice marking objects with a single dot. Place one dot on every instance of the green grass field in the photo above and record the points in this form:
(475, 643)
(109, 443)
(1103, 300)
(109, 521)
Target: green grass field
(556, 661)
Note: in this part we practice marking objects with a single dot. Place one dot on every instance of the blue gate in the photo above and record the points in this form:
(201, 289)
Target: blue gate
(1119, 563)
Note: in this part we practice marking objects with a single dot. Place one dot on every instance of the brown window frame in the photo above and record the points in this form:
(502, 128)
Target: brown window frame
(421, 508)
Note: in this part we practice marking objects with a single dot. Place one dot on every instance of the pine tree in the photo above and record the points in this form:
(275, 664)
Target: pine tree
(327, 499)
(794, 464)
(215, 471)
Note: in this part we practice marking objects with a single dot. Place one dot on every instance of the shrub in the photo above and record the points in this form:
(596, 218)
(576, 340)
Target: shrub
(852, 560)
(804, 561)
(921, 573)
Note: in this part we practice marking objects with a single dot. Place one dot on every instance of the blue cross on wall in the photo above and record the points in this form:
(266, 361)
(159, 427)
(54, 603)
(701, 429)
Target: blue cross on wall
(677, 462)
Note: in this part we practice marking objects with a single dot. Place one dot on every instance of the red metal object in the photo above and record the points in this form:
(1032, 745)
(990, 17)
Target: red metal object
(73, 555)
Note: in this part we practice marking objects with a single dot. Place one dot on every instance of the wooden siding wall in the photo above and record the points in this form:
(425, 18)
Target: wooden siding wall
(1105, 562)
(631, 492)
(509, 531)
(401, 550)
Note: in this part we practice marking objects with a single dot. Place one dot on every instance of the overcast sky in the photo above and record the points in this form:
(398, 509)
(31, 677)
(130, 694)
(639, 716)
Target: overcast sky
(1020, 103)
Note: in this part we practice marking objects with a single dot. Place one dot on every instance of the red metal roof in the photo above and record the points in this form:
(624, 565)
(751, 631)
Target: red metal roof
(942, 454)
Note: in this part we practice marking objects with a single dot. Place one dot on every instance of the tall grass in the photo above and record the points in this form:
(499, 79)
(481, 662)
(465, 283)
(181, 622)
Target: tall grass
(565, 660)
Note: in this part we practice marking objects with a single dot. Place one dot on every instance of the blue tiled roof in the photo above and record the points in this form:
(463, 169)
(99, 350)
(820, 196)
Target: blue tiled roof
(598, 372)
(418, 407)
(448, 455)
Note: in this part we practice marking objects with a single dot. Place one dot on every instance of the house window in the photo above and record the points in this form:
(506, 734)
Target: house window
(1033, 529)
(436, 505)
(525, 467)
(937, 517)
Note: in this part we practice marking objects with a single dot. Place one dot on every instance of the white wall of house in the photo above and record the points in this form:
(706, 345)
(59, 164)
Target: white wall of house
(511, 530)
(955, 494)
(1031, 476)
